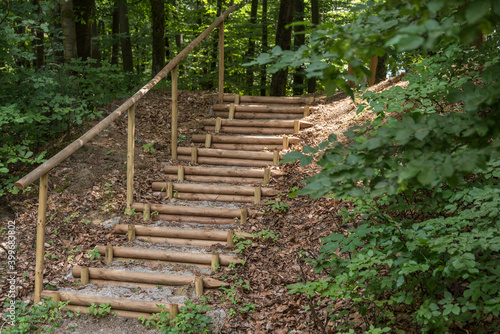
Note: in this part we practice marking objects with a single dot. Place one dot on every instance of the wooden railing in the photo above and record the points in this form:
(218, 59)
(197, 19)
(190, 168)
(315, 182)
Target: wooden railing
(42, 171)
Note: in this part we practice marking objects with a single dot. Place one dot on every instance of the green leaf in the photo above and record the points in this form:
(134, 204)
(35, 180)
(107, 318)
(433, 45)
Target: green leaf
(477, 10)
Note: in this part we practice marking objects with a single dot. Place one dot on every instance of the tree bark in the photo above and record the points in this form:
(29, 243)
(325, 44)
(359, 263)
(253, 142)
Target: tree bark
(284, 40)
(128, 62)
(95, 50)
(299, 40)
(263, 75)
(158, 14)
(82, 10)
(115, 31)
(68, 30)
(311, 83)
(381, 73)
(39, 39)
(251, 43)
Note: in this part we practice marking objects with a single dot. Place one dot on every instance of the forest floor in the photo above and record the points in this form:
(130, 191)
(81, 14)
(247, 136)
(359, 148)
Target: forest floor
(87, 190)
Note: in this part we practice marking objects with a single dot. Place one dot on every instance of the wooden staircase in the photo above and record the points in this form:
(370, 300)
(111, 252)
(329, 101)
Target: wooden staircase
(232, 164)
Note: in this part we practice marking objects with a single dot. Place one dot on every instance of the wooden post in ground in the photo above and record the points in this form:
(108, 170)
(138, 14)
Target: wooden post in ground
(174, 113)
(257, 195)
(174, 311)
(215, 263)
(218, 124)
(286, 142)
(40, 236)
(232, 108)
(130, 158)
(267, 176)
(85, 276)
(194, 155)
(170, 190)
(276, 158)
(108, 255)
(237, 99)
(147, 212)
(198, 286)
(296, 127)
(230, 240)
(244, 215)
(180, 174)
(208, 140)
(56, 297)
(131, 228)
(221, 62)
(307, 112)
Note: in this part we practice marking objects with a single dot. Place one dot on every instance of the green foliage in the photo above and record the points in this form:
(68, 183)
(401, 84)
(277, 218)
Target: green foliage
(94, 253)
(101, 310)
(423, 176)
(277, 206)
(38, 318)
(189, 320)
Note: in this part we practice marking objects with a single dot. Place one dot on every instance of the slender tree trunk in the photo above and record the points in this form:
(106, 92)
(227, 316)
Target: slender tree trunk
(263, 75)
(128, 61)
(298, 40)
(381, 73)
(311, 83)
(115, 31)
(158, 14)
(178, 35)
(82, 10)
(55, 39)
(95, 50)
(68, 30)
(39, 40)
(251, 43)
(283, 39)
(215, 47)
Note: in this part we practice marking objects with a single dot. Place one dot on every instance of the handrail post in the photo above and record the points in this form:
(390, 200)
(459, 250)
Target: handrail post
(40, 236)
(174, 113)
(130, 158)
(221, 62)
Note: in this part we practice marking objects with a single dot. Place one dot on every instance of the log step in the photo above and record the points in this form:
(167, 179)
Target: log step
(119, 313)
(220, 174)
(227, 162)
(130, 305)
(257, 123)
(218, 153)
(214, 189)
(171, 257)
(261, 109)
(144, 277)
(191, 211)
(251, 130)
(181, 236)
(246, 143)
(235, 98)
(261, 116)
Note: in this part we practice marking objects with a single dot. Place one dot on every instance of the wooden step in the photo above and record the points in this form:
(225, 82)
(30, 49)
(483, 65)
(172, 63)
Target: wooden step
(251, 130)
(245, 143)
(220, 174)
(235, 98)
(123, 304)
(228, 162)
(261, 116)
(261, 109)
(257, 123)
(125, 253)
(201, 192)
(220, 153)
(154, 279)
(191, 211)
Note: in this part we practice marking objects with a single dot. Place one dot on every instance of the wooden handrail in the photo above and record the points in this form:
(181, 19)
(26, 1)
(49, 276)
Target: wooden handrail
(74, 146)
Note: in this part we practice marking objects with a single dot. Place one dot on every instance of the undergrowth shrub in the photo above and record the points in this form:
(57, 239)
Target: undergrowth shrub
(424, 181)
(39, 105)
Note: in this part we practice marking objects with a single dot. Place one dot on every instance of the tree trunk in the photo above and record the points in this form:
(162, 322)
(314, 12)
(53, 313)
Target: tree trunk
(115, 46)
(283, 39)
(82, 10)
(381, 73)
(158, 14)
(298, 40)
(39, 39)
(215, 47)
(95, 50)
(178, 36)
(68, 30)
(311, 83)
(55, 37)
(263, 75)
(251, 43)
(128, 62)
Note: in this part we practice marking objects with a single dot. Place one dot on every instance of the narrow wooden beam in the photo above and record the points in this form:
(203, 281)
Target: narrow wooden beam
(237, 99)
(40, 236)
(232, 108)
(108, 254)
(276, 158)
(208, 140)
(286, 142)
(257, 195)
(85, 276)
(131, 228)
(221, 62)
(307, 112)
(267, 176)
(147, 212)
(218, 124)
(194, 155)
(130, 157)
(198, 286)
(296, 126)
(244, 215)
(230, 240)
(180, 173)
(215, 264)
(175, 111)
(170, 190)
